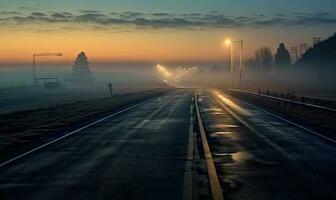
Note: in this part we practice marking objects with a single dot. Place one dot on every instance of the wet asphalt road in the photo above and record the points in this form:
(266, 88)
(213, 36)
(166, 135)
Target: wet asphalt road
(266, 158)
(138, 155)
(142, 154)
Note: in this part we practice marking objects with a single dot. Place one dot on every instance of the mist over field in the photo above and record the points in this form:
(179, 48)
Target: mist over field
(20, 75)
(17, 91)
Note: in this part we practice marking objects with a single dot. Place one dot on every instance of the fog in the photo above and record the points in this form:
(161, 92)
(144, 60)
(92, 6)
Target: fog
(300, 80)
(307, 81)
(17, 91)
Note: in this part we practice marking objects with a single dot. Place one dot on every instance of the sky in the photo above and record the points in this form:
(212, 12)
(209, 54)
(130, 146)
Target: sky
(153, 31)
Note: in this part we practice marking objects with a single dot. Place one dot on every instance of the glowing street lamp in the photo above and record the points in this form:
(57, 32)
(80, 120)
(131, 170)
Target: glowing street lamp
(228, 42)
(240, 62)
(163, 71)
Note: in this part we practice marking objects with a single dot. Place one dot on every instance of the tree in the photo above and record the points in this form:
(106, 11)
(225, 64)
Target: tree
(282, 57)
(321, 56)
(251, 64)
(80, 70)
(263, 57)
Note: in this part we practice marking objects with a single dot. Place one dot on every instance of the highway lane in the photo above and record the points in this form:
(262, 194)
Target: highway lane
(138, 155)
(259, 156)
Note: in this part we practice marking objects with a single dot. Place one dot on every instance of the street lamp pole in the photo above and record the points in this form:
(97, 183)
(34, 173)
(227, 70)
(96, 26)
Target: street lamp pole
(231, 47)
(241, 64)
(34, 70)
(229, 42)
(240, 61)
(35, 79)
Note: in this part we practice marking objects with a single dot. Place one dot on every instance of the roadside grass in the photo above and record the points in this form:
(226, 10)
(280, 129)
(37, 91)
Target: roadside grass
(20, 128)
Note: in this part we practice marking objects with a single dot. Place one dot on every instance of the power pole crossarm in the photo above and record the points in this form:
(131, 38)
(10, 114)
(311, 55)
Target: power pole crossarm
(35, 79)
(47, 54)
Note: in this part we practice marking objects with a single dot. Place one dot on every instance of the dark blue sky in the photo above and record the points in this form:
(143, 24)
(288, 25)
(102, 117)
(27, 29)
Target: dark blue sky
(231, 7)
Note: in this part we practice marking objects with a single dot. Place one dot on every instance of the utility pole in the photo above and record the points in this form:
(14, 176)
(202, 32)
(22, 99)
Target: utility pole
(231, 54)
(294, 51)
(303, 48)
(241, 63)
(316, 40)
(229, 42)
(34, 70)
(35, 78)
(110, 88)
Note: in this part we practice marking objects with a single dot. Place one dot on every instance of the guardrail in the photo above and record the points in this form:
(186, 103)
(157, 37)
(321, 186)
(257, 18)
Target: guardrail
(313, 106)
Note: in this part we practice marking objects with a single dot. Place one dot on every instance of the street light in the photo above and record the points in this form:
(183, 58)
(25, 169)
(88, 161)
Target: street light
(228, 42)
(35, 78)
(240, 62)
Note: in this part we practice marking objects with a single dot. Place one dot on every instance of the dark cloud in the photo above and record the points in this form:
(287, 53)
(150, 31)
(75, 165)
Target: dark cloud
(90, 11)
(131, 15)
(160, 14)
(90, 17)
(272, 21)
(10, 13)
(105, 21)
(38, 14)
(58, 15)
(280, 15)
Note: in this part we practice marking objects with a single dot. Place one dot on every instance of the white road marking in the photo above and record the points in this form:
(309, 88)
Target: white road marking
(72, 133)
(191, 139)
(290, 122)
(145, 121)
(187, 185)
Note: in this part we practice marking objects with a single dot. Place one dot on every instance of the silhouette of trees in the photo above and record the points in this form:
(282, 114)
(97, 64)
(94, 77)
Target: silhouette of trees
(80, 70)
(321, 56)
(263, 58)
(282, 57)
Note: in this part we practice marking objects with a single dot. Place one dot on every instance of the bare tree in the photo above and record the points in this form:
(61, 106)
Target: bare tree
(264, 58)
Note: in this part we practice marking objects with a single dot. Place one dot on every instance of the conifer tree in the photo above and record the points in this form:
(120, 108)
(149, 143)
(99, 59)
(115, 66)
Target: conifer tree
(80, 70)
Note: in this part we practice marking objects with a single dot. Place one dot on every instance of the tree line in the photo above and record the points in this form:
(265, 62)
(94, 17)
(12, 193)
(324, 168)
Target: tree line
(322, 56)
(264, 59)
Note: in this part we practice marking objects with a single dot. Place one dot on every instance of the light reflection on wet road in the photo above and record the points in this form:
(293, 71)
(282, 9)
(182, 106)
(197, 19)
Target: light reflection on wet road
(261, 157)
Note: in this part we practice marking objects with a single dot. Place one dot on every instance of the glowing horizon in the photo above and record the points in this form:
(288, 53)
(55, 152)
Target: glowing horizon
(154, 32)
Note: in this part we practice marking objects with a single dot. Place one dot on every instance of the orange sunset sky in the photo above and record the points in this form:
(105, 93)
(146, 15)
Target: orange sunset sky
(128, 33)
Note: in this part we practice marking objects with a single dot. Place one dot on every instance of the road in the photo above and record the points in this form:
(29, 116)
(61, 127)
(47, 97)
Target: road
(140, 154)
(259, 156)
(145, 153)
